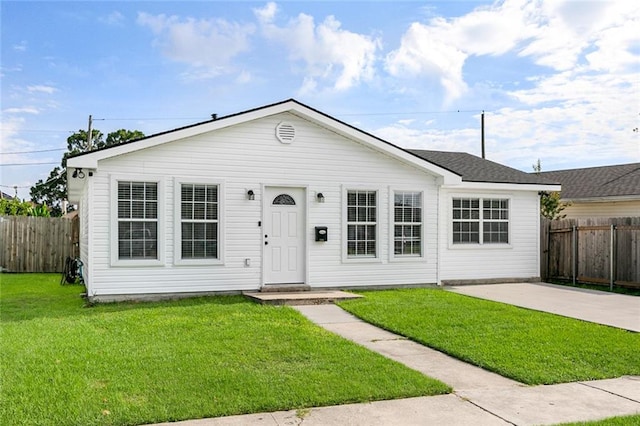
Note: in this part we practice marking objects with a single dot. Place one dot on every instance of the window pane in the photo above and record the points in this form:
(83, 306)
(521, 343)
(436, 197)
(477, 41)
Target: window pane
(124, 190)
(198, 210)
(199, 193)
(124, 209)
(187, 193)
(187, 211)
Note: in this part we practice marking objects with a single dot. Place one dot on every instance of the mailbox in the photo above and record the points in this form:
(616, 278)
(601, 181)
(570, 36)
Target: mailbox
(321, 233)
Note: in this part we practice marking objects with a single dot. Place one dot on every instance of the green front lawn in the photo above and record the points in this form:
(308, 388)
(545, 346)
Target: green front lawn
(612, 421)
(528, 346)
(134, 363)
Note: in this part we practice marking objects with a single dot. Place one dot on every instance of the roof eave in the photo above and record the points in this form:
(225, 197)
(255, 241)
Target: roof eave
(602, 199)
(503, 186)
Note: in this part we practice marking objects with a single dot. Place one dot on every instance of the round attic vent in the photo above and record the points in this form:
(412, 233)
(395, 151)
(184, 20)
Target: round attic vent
(285, 132)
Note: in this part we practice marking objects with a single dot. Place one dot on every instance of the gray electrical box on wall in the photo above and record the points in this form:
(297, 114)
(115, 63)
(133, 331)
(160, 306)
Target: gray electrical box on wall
(321, 233)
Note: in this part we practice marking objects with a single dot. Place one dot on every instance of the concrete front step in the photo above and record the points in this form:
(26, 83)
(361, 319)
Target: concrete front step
(300, 297)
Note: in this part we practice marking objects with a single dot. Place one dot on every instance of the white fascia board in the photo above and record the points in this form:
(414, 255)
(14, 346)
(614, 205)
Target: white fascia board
(504, 186)
(379, 145)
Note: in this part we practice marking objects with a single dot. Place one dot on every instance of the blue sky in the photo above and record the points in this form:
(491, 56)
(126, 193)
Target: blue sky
(559, 81)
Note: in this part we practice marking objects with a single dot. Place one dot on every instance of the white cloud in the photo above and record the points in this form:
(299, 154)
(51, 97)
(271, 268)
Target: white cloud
(555, 34)
(20, 47)
(23, 110)
(332, 55)
(41, 89)
(208, 45)
(115, 18)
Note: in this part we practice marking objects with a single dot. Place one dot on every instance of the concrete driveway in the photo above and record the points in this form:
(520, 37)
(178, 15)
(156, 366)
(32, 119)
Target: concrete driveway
(616, 310)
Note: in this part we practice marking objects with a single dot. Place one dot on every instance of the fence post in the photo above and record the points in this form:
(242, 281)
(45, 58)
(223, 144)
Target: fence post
(611, 256)
(574, 255)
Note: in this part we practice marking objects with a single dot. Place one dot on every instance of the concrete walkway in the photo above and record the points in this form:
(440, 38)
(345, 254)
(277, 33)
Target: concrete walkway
(616, 310)
(479, 398)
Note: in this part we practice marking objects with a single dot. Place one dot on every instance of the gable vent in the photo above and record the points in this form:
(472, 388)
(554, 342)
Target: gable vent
(285, 132)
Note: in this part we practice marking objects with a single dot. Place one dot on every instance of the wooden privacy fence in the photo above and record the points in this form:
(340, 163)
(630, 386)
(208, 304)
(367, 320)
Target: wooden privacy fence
(37, 244)
(602, 251)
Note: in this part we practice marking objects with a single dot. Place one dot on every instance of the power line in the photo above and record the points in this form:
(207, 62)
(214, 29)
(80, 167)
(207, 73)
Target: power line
(409, 112)
(26, 164)
(15, 186)
(32, 152)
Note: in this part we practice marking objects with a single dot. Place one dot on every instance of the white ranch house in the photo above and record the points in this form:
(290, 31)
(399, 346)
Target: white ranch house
(285, 194)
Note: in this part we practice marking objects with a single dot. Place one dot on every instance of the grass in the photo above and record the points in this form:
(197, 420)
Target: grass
(528, 346)
(135, 363)
(612, 421)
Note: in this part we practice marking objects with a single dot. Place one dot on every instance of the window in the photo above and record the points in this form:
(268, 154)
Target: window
(284, 200)
(407, 229)
(361, 223)
(495, 226)
(469, 218)
(199, 221)
(137, 220)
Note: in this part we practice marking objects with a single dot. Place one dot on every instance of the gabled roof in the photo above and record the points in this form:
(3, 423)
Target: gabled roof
(476, 169)
(90, 159)
(451, 168)
(598, 182)
(5, 196)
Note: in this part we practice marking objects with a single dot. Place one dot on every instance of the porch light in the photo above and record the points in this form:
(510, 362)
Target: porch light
(78, 173)
(251, 195)
(320, 197)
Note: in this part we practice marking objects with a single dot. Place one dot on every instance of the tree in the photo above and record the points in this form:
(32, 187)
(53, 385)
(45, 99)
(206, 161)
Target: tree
(550, 205)
(53, 191)
(15, 207)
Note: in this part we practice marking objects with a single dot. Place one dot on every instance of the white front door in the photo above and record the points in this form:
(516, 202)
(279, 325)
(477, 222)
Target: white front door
(284, 237)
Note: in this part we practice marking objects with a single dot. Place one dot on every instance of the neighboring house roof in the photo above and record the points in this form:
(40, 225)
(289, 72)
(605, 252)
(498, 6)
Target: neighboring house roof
(476, 169)
(5, 195)
(620, 181)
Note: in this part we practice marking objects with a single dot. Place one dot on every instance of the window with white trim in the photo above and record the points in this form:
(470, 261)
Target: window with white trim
(469, 219)
(137, 220)
(407, 223)
(199, 217)
(361, 223)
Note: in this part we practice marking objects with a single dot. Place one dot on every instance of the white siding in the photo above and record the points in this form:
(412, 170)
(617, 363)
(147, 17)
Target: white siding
(84, 212)
(603, 209)
(249, 156)
(517, 260)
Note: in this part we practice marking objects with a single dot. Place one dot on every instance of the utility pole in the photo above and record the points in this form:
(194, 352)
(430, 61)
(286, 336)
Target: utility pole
(89, 147)
(482, 132)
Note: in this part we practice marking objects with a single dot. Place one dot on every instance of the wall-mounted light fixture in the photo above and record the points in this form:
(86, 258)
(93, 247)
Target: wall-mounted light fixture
(320, 197)
(251, 195)
(78, 173)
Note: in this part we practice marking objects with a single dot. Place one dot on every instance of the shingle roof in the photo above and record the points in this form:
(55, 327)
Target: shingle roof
(595, 182)
(476, 169)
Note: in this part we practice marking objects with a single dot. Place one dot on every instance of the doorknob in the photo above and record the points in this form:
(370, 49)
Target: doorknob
(266, 243)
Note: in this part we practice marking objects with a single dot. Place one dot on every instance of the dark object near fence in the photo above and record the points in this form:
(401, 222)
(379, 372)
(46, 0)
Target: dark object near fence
(603, 251)
(72, 273)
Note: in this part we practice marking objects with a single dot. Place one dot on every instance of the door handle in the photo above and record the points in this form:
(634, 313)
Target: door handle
(266, 243)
